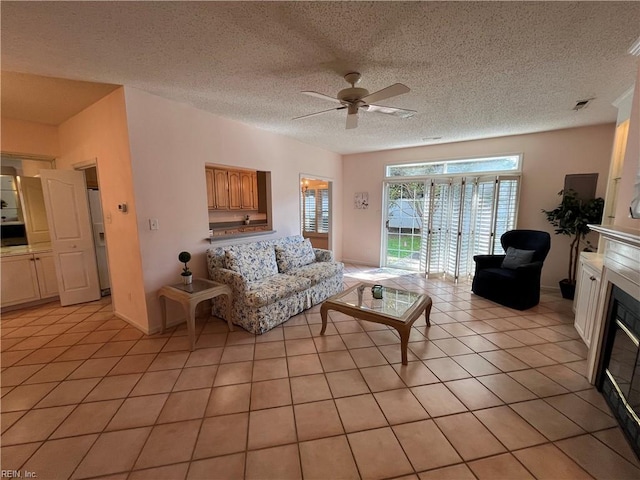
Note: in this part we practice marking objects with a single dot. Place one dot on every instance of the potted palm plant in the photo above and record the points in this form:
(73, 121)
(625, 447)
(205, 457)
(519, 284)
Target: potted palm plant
(187, 277)
(571, 218)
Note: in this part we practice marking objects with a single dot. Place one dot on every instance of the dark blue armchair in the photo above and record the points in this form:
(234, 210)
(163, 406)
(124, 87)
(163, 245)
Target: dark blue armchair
(513, 280)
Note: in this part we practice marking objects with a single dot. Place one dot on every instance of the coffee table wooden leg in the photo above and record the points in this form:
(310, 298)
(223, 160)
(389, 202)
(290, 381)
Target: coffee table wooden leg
(323, 314)
(404, 342)
(427, 313)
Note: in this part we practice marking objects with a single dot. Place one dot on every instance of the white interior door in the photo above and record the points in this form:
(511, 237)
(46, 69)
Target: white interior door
(65, 199)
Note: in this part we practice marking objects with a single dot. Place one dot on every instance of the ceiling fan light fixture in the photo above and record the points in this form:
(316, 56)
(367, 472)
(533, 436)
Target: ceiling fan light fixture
(354, 98)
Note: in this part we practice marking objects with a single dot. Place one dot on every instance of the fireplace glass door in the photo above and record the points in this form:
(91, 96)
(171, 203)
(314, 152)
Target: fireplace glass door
(619, 379)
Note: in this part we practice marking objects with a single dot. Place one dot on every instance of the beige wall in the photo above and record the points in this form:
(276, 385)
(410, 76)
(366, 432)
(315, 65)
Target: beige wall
(99, 133)
(547, 158)
(29, 138)
(151, 154)
(631, 166)
(170, 144)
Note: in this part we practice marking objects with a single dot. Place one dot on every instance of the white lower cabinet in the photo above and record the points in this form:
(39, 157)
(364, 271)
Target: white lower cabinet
(587, 293)
(27, 278)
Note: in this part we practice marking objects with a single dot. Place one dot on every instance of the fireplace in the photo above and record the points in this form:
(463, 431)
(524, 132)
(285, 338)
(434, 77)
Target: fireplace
(618, 375)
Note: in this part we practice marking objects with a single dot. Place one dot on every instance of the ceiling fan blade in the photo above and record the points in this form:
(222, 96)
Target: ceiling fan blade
(390, 91)
(397, 112)
(352, 121)
(318, 113)
(322, 96)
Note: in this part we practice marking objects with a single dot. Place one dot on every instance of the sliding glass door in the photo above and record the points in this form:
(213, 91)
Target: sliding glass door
(437, 225)
(405, 205)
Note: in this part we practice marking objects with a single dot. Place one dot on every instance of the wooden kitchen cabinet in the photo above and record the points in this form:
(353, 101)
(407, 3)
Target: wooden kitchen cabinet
(231, 189)
(235, 190)
(27, 278)
(587, 293)
(221, 186)
(248, 185)
(211, 190)
(254, 183)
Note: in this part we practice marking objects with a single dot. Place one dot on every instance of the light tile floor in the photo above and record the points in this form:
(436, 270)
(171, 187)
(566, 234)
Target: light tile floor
(489, 392)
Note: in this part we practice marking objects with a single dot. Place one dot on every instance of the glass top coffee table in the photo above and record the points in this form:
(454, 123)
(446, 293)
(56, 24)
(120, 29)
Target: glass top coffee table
(397, 309)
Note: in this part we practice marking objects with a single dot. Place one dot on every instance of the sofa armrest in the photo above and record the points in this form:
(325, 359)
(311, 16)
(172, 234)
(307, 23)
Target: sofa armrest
(235, 280)
(323, 255)
(488, 261)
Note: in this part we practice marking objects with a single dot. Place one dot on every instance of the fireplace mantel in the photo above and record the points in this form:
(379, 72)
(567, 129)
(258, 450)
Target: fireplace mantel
(629, 236)
(621, 268)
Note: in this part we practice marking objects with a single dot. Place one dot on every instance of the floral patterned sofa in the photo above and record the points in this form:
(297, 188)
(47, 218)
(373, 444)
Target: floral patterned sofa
(272, 280)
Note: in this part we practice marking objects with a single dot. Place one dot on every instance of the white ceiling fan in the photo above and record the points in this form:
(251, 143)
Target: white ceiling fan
(353, 99)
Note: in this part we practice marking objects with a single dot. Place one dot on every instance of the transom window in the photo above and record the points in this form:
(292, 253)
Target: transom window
(506, 163)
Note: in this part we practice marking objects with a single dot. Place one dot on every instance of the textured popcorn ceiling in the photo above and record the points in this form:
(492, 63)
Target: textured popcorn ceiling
(475, 69)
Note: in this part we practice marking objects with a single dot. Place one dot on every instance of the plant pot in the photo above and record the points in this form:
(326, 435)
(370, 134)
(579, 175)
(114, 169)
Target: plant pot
(567, 289)
(187, 279)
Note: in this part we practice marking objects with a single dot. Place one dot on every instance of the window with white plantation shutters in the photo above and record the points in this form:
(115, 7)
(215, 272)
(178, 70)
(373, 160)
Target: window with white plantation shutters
(453, 221)
(465, 231)
(463, 216)
(506, 209)
(436, 235)
(315, 210)
(484, 219)
(322, 213)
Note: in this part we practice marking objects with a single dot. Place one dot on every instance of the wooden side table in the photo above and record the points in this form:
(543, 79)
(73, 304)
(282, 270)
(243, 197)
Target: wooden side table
(189, 296)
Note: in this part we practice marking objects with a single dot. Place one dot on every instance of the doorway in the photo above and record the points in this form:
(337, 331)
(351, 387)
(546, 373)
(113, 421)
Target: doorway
(315, 211)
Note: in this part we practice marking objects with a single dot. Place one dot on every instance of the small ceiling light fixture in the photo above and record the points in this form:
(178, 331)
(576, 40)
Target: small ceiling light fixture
(582, 104)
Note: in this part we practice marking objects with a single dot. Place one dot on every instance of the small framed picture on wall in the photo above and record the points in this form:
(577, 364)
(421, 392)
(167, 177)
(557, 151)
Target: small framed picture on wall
(361, 200)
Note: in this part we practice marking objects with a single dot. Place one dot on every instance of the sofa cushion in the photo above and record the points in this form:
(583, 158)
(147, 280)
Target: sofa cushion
(294, 255)
(516, 257)
(317, 271)
(253, 262)
(268, 290)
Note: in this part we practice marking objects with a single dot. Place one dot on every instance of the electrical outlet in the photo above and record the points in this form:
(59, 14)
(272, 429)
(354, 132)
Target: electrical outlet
(153, 224)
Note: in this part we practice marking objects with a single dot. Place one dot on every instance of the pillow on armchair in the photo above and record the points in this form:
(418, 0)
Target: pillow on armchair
(516, 257)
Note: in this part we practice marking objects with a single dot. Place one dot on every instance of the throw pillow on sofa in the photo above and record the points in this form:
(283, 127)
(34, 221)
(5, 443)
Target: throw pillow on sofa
(294, 255)
(252, 263)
